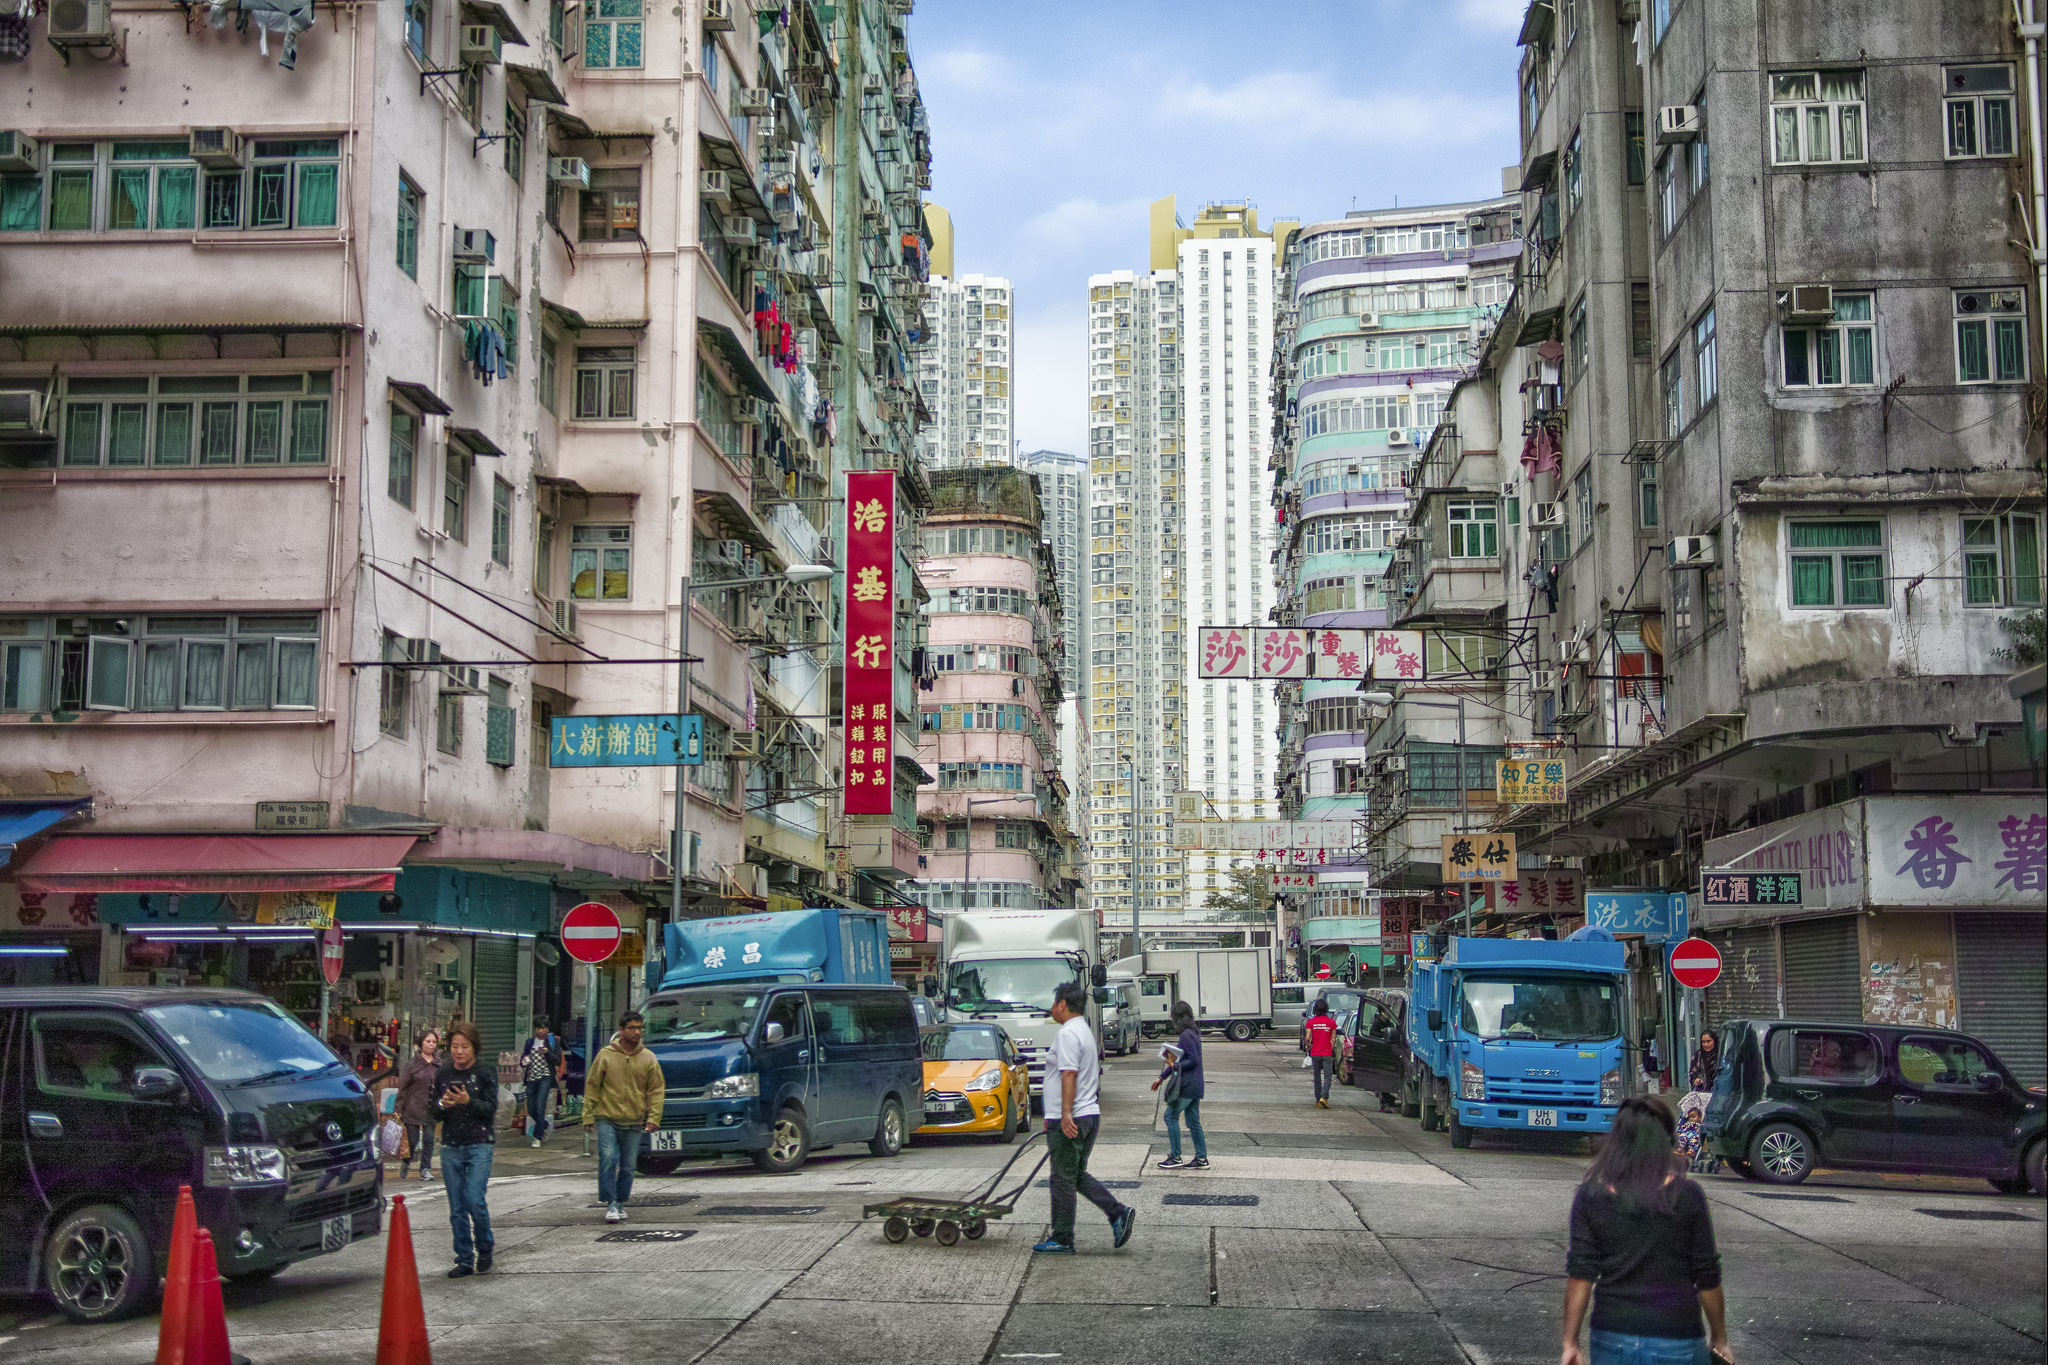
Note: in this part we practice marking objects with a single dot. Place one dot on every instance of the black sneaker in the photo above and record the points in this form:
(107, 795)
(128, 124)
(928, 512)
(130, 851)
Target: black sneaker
(483, 1262)
(460, 1272)
(1200, 1163)
(1170, 1163)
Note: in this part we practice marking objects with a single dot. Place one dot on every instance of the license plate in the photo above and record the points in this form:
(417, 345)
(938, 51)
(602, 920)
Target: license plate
(336, 1232)
(1543, 1118)
(665, 1140)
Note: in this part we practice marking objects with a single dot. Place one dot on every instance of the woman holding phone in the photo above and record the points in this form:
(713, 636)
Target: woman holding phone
(466, 1098)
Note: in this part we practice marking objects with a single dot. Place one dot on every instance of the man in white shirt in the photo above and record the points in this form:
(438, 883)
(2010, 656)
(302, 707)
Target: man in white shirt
(1073, 1112)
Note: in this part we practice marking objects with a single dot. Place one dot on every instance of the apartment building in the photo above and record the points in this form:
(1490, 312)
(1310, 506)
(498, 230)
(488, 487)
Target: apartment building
(994, 818)
(1063, 486)
(964, 358)
(1758, 598)
(1386, 310)
(439, 402)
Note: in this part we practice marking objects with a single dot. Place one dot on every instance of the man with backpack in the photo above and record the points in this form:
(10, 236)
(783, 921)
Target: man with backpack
(540, 1066)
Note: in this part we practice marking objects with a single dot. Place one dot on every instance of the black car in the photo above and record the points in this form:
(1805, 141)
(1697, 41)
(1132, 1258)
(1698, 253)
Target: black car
(110, 1099)
(1376, 1049)
(1793, 1095)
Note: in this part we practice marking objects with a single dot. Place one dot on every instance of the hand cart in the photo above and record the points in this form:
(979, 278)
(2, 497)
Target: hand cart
(947, 1219)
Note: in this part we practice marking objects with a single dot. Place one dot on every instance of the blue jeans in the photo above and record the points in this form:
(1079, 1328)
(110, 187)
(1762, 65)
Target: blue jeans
(465, 1171)
(537, 1105)
(618, 1151)
(1193, 1109)
(1619, 1348)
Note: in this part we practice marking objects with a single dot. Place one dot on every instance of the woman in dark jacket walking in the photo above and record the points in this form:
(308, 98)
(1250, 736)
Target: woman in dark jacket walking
(1185, 1098)
(416, 1104)
(1642, 1251)
(466, 1097)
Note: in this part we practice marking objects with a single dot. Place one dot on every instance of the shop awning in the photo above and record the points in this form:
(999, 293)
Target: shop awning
(217, 862)
(24, 819)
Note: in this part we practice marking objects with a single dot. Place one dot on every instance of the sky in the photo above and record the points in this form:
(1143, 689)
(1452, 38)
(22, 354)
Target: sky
(1055, 124)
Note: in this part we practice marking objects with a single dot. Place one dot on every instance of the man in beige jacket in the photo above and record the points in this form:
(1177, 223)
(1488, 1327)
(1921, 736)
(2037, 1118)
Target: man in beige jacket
(622, 1096)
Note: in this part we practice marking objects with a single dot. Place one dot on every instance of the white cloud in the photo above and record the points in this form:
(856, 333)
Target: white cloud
(1292, 109)
(1500, 15)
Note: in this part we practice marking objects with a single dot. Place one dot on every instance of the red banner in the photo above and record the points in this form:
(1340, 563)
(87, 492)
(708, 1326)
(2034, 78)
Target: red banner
(870, 640)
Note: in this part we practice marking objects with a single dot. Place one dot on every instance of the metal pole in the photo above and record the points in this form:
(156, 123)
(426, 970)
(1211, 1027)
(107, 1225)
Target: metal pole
(589, 1039)
(1462, 785)
(675, 851)
(325, 991)
(1138, 882)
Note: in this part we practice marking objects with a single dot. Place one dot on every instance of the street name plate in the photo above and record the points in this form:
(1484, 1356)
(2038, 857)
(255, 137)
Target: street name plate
(286, 815)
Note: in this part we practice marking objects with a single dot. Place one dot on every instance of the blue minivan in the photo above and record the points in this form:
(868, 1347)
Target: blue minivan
(778, 1071)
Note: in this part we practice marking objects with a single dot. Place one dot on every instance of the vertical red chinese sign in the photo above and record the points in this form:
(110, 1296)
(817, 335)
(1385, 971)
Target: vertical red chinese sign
(870, 640)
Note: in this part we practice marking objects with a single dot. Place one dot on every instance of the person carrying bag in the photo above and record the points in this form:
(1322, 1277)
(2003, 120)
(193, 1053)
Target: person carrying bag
(1183, 1090)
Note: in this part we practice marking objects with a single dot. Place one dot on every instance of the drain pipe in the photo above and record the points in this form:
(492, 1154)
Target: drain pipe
(2031, 30)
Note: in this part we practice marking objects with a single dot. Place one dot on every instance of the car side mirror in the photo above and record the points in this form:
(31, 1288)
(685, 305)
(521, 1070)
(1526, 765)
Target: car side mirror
(772, 1034)
(931, 985)
(1990, 1080)
(1101, 995)
(1436, 1021)
(157, 1083)
(1098, 975)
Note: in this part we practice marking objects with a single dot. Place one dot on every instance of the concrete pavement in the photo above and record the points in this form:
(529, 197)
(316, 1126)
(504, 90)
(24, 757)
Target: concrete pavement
(1317, 1235)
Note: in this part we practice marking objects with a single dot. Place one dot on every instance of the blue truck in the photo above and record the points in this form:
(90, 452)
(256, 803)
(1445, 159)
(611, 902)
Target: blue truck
(843, 947)
(1529, 1035)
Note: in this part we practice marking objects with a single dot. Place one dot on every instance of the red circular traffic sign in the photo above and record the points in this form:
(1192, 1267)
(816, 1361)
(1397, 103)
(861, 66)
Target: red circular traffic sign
(331, 953)
(590, 932)
(1696, 962)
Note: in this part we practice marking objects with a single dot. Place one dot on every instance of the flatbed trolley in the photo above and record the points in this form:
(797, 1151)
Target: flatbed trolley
(948, 1219)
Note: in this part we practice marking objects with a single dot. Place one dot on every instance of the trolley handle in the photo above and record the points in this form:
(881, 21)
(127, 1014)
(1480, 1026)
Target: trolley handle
(988, 1194)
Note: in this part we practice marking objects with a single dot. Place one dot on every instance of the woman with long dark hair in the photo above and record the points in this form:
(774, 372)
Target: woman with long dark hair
(1642, 1251)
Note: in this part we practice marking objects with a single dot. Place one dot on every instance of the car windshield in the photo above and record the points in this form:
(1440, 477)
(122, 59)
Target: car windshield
(701, 1016)
(1553, 1009)
(234, 1043)
(956, 1044)
(1024, 983)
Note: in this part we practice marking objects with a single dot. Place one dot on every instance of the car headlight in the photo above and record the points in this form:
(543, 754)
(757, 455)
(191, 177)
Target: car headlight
(245, 1166)
(987, 1080)
(735, 1087)
(1471, 1082)
(1610, 1085)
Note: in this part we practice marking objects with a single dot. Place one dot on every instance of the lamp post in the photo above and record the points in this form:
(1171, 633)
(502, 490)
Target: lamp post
(1138, 854)
(967, 876)
(1387, 699)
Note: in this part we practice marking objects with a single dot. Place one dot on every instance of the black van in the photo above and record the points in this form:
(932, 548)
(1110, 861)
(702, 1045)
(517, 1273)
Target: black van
(1793, 1095)
(777, 1071)
(1376, 1052)
(110, 1099)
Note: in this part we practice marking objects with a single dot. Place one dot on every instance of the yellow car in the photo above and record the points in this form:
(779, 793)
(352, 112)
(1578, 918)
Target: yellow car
(974, 1082)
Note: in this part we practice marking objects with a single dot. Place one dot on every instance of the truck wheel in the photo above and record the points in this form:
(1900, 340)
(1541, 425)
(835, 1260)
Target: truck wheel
(2036, 1166)
(1241, 1031)
(1411, 1098)
(789, 1142)
(888, 1138)
(1461, 1136)
(1781, 1154)
(97, 1265)
(1427, 1109)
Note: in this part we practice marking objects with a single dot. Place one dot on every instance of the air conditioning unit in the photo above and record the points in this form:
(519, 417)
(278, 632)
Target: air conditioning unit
(81, 21)
(746, 414)
(22, 410)
(475, 244)
(566, 621)
(1543, 680)
(1393, 763)
(1685, 552)
(872, 83)
(1678, 123)
(462, 682)
(729, 551)
(481, 45)
(1984, 301)
(718, 16)
(1368, 319)
(746, 744)
(712, 185)
(885, 126)
(1808, 303)
(1397, 437)
(1546, 516)
(569, 170)
(19, 153)
(417, 651)
(219, 149)
(739, 229)
(753, 100)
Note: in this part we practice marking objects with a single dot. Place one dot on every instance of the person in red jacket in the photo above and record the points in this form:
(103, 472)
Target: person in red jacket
(1322, 1049)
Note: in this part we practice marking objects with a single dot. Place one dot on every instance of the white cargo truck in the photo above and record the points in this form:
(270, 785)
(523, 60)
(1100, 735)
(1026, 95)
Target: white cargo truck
(1002, 966)
(1231, 989)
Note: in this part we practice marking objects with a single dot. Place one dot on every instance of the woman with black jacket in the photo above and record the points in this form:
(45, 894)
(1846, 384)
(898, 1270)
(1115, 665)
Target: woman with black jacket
(1185, 1096)
(416, 1104)
(466, 1097)
(1642, 1251)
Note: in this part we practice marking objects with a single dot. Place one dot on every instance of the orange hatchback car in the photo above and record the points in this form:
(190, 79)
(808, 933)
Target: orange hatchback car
(974, 1082)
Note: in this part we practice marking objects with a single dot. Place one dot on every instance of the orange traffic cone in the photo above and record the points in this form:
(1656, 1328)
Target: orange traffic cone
(170, 1335)
(402, 1325)
(206, 1326)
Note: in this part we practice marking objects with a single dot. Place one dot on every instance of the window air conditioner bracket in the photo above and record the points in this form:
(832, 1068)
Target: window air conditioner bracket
(476, 144)
(431, 74)
(116, 46)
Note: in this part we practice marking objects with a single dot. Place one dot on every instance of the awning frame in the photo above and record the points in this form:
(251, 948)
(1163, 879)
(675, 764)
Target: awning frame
(217, 862)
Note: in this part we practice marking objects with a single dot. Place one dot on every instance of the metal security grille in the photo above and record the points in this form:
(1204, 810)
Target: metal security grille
(493, 997)
(1748, 986)
(1823, 970)
(2001, 986)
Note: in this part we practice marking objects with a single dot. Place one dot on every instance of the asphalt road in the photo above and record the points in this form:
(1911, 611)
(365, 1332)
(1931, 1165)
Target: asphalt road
(1316, 1236)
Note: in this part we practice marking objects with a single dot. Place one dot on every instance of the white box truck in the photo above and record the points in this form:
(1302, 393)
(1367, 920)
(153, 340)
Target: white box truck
(1231, 989)
(1002, 966)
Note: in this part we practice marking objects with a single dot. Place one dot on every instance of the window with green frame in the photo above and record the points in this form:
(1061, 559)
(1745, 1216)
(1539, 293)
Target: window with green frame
(501, 521)
(177, 421)
(1838, 564)
(515, 142)
(2002, 561)
(1433, 772)
(611, 34)
(408, 227)
(500, 732)
(162, 663)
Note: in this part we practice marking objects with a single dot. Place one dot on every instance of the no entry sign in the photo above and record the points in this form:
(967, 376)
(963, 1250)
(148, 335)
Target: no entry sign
(331, 953)
(1696, 962)
(590, 932)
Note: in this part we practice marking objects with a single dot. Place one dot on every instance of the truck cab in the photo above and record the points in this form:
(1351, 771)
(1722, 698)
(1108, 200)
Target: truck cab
(1523, 1035)
(1002, 966)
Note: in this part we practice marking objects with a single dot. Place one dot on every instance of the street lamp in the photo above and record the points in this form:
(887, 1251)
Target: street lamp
(967, 876)
(1138, 836)
(1381, 698)
(796, 575)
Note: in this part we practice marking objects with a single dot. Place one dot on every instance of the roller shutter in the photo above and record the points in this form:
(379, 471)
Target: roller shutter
(2001, 987)
(1823, 968)
(1748, 985)
(494, 994)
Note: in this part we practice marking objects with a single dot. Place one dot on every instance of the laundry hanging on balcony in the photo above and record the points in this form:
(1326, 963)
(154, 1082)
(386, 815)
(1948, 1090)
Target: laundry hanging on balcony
(483, 350)
(1540, 451)
(289, 17)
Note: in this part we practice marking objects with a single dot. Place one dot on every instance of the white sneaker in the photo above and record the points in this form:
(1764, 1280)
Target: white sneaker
(614, 1214)
(622, 1211)
(536, 1142)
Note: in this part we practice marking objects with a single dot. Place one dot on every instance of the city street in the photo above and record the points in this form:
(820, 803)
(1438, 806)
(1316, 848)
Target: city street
(1316, 1235)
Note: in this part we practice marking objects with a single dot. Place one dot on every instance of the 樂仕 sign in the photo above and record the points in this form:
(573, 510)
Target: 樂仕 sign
(1480, 856)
